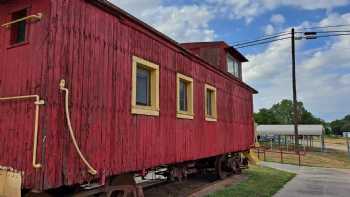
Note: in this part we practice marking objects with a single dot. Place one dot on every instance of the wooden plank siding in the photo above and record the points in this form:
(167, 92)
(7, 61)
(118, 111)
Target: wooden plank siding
(92, 50)
(22, 71)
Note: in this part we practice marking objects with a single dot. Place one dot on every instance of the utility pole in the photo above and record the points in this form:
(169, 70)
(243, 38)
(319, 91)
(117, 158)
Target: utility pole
(295, 101)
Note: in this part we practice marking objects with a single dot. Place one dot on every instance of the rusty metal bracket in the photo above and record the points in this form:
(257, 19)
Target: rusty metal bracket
(37, 104)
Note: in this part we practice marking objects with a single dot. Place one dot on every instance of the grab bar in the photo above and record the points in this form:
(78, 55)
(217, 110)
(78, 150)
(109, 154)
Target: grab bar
(32, 18)
(37, 103)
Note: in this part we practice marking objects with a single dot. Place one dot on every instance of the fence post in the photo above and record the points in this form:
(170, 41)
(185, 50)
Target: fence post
(347, 142)
(271, 145)
(281, 155)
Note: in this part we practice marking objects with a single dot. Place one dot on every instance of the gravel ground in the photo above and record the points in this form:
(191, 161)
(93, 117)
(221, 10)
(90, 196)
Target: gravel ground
(195, 186)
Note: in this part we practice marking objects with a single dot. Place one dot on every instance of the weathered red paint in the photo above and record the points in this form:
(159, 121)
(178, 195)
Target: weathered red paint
(92, 48)
(214, 52)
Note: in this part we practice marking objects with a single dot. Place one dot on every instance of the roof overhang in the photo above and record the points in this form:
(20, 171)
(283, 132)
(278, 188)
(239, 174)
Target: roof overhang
(236, 54)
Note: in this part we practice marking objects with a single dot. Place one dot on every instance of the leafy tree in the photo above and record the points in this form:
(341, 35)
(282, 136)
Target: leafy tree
(340, 126)
(347, 118)
(265, 116)
(337, 127)
(308, 118)
(283, 113)
(346, 127)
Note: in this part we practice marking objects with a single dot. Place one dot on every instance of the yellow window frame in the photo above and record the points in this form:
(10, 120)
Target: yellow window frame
(213, 117)
(153, 109)
(189, 86)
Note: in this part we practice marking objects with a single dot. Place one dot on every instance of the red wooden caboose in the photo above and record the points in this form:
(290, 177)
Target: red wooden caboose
(89, 92)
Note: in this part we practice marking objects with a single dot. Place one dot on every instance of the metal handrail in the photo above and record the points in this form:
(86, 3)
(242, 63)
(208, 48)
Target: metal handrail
(62, 85)
(32, 18)
(37, 103)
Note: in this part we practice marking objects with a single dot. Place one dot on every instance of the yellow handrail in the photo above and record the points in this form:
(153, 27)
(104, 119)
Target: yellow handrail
(91, 170)
(32, 18)
(37, 103)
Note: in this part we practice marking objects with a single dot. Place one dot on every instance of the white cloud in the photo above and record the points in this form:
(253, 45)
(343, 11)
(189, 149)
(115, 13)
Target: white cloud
(186, 23)
(191, 22)
(249, 9)
(136, 6)
(323, 74)
(269, 29)
(277, 19)
(345, 80)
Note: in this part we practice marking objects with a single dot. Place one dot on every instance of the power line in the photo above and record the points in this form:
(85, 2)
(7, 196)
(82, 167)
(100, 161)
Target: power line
(321, 32)
(330, 35)
(339, 31)
(261, 43)
(255, 43)
(277, 37)
(328, 26)
(264, 37)
(259, 40)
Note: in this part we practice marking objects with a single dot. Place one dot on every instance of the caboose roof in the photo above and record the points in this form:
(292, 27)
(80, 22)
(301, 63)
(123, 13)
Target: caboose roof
(121, 14)
(220, 44)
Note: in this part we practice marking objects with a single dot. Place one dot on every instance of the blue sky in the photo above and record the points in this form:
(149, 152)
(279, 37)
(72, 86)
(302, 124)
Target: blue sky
(323, 66)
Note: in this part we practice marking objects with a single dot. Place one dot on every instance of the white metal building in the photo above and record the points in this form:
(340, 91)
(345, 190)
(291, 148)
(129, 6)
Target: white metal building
(306, 132)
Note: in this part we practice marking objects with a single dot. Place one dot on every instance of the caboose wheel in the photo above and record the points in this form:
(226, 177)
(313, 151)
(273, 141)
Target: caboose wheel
(222, 167)
(124, 186)
(238, 169)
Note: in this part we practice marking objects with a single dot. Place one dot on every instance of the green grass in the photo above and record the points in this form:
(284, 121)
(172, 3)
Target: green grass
(261, 182)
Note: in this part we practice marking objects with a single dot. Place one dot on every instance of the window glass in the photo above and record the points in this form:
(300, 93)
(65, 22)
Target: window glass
(143, 86)
(183, 96)
(18, 30)
(237, 64)
(230, 65)
(209, 102)
(233, 66)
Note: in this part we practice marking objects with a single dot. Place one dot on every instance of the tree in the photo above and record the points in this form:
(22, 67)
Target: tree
(308, 118)
(337, 127)
(346, 127)
(347, 118)
(283, 113)
(265, 116)
(340, 126)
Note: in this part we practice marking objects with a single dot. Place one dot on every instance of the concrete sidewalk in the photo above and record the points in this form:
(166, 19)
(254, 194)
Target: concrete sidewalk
(313, 181)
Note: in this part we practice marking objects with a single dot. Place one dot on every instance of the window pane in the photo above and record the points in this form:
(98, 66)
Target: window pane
(209, 102)
(183, 96)
(21, 32)
(18, 30)
(230, 65)
(143, 87)
(236, 69)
